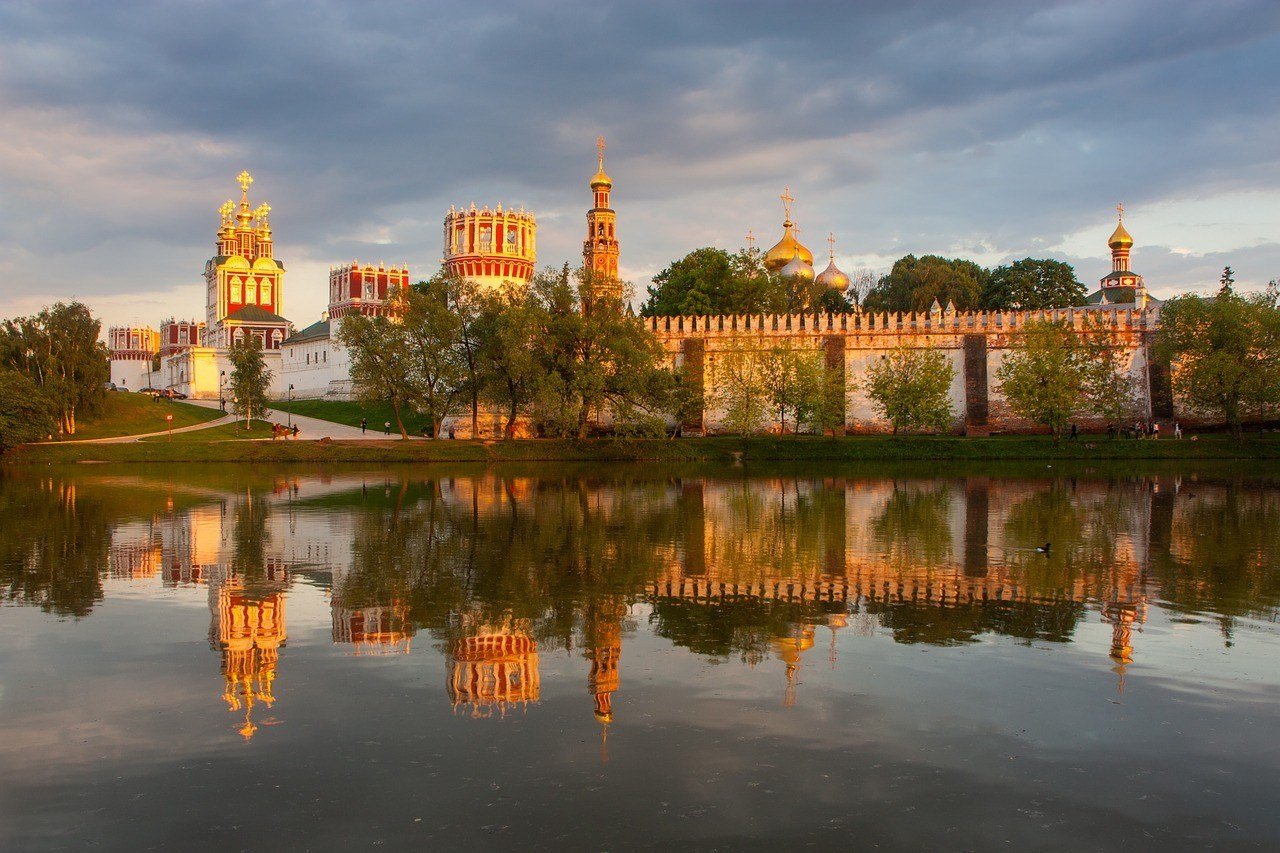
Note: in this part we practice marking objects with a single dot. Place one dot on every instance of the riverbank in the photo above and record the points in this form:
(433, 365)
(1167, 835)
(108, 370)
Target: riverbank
(720, 449)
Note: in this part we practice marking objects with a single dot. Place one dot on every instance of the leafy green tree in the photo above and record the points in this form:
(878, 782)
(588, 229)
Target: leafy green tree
(914, 283)
(713, 281)
(59, 351)
(1227, 281)
(1224, 353)
(505, 334)
(1032, 284)
(793, 383)
(440, 366)
(594, 357)
(465, 301)
(26, 414)
(249, 380)
(911, 388)
(739, 388)
(1053, 372)
(380, 368)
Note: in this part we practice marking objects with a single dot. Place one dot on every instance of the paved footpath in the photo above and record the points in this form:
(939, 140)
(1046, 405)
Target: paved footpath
(124, 439)
(311, 429)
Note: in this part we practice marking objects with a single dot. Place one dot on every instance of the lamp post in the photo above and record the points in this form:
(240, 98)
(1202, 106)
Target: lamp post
(289, 412)
(222, 379)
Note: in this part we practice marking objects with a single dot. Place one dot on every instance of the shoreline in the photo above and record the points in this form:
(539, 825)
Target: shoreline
(718, 449)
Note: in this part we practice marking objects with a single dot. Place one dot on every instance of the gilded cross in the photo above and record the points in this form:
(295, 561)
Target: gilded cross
(751, 239)
(600, 150)
(787, 200)
(1120, 211)
(225, 210)
(831, 242)
(244, 179)
(261, 214)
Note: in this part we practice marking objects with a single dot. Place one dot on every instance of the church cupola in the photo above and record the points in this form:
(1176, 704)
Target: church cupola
(780, 255)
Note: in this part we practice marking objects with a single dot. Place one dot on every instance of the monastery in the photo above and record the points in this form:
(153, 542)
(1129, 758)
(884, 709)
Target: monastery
(245, 298)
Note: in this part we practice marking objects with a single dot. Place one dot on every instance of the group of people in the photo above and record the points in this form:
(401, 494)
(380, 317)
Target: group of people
(1137, 430)
(280, 430)
(386, 428)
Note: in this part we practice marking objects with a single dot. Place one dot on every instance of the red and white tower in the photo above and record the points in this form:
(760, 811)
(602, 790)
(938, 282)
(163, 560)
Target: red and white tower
(363, 288)
(490, 246)
(131, 348)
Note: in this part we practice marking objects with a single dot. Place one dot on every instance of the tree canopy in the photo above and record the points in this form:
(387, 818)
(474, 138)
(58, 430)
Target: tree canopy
(250, 379)
(1032, 284)
(58, 350)
(911, 386)
(914, 283)
(1224, 352)
(713, 281)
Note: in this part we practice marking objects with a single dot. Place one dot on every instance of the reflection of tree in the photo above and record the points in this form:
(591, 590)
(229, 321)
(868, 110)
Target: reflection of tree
(912, 529)
(54, 545)
(249, 538)
(1224, 555)
(926, 622)
(743, 626)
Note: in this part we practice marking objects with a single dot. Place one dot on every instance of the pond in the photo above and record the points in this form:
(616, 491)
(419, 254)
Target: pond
(614, 657)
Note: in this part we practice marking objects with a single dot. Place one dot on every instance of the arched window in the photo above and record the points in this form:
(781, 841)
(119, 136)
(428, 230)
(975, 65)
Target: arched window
(250, 293)
(235, 290)
(237, 336)
(265, 299)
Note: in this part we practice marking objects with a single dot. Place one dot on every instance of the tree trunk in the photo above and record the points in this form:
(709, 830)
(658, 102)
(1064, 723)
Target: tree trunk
(475, 409)
(582, 422)
(395, 407)
(509, 430)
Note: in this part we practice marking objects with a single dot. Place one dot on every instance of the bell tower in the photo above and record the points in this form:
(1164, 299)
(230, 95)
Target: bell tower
(600, 249)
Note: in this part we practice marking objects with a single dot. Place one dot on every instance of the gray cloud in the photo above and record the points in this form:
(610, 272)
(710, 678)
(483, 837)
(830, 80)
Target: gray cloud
(998, 128)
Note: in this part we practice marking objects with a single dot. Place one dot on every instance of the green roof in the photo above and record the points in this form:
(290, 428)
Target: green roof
(315, 332)
(254, 314)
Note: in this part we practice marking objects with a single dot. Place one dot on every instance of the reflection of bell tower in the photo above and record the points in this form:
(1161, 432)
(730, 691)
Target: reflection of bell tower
(493, 666)
(377, 629)
(603, 643)
(789, 650)
(249, 631)
(1122, 615)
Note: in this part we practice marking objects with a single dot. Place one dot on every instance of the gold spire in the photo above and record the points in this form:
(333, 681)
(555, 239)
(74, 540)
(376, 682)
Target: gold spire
(245, 216)
(600, 178)
(1120, 238)
(789, 246)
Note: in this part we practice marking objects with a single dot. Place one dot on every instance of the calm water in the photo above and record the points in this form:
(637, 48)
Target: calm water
(617, 657)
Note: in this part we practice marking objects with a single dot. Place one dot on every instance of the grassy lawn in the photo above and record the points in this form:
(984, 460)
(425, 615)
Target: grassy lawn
(131, 413)
(349, 412)
(226, 432)
(211, 446)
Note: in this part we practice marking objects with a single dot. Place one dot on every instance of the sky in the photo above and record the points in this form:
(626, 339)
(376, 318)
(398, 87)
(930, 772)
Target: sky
(992, 131)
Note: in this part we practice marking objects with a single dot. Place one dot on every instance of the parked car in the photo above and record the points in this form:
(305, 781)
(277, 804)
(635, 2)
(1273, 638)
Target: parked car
(109, 386)
(176, 395)
(150, 392)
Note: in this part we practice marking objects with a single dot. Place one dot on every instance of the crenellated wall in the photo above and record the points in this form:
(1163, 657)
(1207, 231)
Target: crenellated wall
(975, 342)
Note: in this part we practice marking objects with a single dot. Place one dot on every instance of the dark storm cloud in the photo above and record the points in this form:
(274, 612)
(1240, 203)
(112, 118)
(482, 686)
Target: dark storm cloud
(904, 127)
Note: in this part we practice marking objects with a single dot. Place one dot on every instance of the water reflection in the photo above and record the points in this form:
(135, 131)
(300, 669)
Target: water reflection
(496, 569)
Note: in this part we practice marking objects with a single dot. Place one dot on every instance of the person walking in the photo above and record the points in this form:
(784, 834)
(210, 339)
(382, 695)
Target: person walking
(1075, 433)
(386, 428)
(295, 432)
(1177, 430)
(1155, 430)
(364, 423)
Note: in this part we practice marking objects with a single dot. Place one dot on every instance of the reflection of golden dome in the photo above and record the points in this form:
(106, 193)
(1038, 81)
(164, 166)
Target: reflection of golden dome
(788, 247)
(1120, 238)
(797, 268)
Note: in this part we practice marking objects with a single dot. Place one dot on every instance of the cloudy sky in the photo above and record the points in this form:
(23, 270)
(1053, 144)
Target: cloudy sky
(987, 130)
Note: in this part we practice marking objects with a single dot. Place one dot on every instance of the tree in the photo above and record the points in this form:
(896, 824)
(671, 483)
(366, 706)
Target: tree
(914, 283)
(1053, 372)
(463, 298)
(1226, 283)
(380, 366)
(713, 281)
(250, 379)
(911, 388)
(1032, 284)
(505, 331)
(793, 383)
(59, 351)
(26, 414)
(1224, 353)
(593, 356)
(432, 331)
(739, 388)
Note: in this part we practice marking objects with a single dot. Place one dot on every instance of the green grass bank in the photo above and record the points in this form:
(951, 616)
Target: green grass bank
(224, 446)
(131, 413)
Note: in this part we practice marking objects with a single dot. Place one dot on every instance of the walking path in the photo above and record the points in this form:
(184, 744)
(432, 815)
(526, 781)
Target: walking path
(124, 439)
(311, 429)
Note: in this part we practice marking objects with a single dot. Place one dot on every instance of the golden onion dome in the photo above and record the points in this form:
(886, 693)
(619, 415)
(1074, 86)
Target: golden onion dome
(1120, 238)
(797, 268)
(788, 247)
(833, 277)
(600, 179)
